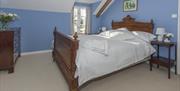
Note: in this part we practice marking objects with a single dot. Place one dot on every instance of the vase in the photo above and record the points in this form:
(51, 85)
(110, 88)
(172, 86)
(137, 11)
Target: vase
(4, 26)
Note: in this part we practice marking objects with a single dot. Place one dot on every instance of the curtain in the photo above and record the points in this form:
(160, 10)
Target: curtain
(81, 17)
(88, 20)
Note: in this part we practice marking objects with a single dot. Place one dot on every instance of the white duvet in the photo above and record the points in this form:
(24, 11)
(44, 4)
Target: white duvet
(100, 55)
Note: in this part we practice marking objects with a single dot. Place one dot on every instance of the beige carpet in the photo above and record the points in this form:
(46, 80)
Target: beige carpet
(39, 73)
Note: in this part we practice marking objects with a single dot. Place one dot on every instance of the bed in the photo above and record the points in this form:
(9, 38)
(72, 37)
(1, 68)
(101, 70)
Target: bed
(70, 57)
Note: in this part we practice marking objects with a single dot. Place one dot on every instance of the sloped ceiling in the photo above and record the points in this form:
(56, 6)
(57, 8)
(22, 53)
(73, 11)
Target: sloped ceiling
(101, 5)
(87, 1)
(42, 5)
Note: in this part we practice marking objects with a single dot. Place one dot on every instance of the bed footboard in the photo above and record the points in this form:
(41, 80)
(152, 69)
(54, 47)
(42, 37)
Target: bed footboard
(64, 54)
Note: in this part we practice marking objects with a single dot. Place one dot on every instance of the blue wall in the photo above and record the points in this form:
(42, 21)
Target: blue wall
(37, 27)
(158, 10)
(96, 21)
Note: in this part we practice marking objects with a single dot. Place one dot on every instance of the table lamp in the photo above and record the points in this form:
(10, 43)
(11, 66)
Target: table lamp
(160, 32)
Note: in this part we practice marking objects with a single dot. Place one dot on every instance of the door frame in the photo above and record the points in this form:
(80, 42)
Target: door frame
(178, 40)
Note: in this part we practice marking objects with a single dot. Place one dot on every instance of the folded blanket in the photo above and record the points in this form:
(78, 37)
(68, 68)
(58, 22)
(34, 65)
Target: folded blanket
(95, 43)
(100, 46)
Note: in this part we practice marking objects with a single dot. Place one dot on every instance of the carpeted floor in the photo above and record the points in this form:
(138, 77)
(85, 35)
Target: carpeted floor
(39, 73)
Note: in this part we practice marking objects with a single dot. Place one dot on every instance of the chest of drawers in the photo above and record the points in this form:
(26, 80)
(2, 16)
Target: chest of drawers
(9, 48)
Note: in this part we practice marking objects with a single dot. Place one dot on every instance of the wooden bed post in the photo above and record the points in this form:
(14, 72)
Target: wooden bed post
(53, 53)
(64, 54)
(74, 86)
(152, 22)
(75, 36)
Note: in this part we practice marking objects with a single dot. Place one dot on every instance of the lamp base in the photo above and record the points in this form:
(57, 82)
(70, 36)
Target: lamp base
(160, 37)
(166, 40)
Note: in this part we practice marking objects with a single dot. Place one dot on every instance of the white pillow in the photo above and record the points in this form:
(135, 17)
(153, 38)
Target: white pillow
(122, 29)
(113, 32)
(148, 37)
(123, 35)
(117, 34)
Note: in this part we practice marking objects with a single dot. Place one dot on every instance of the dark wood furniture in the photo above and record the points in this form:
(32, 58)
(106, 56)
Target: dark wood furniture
(133, 25)
(9, 48)
(162, 61)
(65, 48)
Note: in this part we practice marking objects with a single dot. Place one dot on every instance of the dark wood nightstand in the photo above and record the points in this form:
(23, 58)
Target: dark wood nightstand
(162, 61)
(94, 33)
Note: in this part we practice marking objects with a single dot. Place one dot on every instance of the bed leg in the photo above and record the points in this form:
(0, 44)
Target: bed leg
(53, 59)
(74, 85)
(11, 70)
(74, 89)
(53, 55)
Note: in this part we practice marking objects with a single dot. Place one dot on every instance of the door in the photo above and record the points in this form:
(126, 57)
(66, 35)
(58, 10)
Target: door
(80, 20)
(178, 49)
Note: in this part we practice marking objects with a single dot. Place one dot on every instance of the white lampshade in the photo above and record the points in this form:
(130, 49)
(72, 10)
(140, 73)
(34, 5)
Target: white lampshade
(161, 31)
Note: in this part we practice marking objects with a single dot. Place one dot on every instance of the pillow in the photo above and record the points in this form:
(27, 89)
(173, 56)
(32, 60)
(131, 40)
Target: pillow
(148, 37)
(113, 32)
(117, 34)
(123, 35)
(122, 29)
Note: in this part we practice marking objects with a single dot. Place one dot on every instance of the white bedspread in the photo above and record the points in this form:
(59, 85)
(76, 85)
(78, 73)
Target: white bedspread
(108, 55)
(94, 43)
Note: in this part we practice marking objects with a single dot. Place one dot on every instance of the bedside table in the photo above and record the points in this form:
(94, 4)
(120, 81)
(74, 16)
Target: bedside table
(162, 61)
(94, 33)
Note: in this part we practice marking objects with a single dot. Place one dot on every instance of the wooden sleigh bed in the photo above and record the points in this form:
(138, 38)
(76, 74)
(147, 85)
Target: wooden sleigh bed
(65, 48)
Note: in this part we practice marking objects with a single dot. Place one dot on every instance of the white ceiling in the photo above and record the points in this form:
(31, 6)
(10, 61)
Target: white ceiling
(42, 5)
(45, 5)
(87, 1)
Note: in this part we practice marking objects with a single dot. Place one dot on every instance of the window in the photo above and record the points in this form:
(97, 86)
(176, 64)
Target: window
(80, 20)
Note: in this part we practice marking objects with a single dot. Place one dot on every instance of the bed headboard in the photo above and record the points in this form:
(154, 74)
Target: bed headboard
(133, 25)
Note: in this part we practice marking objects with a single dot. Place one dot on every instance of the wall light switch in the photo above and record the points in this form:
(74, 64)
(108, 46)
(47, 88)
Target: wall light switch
(174, 16)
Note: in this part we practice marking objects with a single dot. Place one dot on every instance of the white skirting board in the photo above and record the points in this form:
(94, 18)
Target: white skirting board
(35, 52)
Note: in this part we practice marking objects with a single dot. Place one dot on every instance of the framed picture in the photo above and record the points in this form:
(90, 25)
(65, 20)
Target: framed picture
(130, 5)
